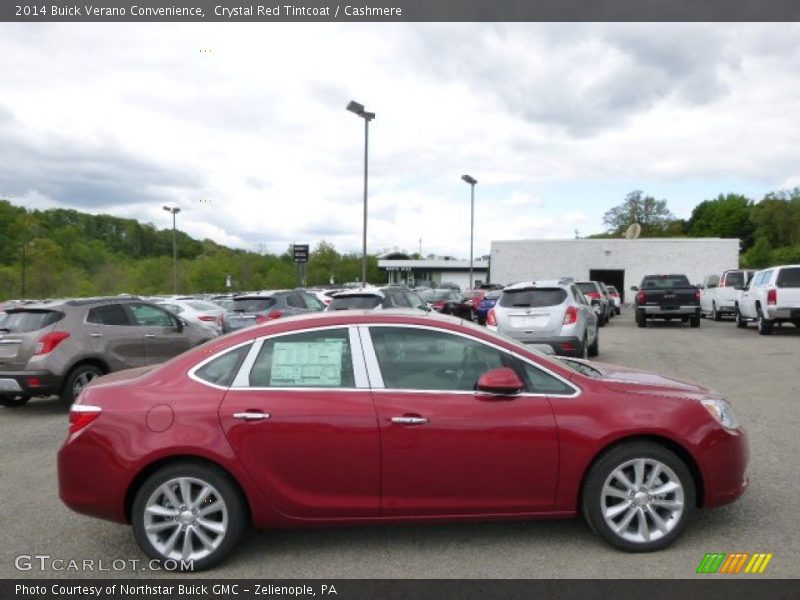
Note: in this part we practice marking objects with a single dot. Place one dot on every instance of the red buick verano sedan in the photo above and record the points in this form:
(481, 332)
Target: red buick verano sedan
(352, 417)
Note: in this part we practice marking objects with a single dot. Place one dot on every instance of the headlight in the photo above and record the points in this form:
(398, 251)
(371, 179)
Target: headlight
(722, 412)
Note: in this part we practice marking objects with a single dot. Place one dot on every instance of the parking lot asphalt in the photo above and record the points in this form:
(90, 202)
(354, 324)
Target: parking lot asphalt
(759, 374)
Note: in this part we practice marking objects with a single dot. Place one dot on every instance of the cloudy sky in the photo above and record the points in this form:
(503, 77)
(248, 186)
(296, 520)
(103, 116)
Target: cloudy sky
(244, 125)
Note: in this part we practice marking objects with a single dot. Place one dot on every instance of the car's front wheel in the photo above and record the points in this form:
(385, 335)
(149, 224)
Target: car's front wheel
(189, 513)
(14, 401)
(639, 497)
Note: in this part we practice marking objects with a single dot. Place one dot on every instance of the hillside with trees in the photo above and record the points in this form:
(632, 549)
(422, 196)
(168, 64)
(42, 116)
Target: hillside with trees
(69, 253)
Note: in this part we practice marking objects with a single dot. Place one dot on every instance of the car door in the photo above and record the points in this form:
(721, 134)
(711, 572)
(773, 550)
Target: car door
(747, 304)
(110, 334)
(445, 448)
(164, 335)
(301, 420)
(588, 316)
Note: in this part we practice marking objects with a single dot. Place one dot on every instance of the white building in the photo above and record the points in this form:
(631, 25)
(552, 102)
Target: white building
(402, 269)
(618, 262)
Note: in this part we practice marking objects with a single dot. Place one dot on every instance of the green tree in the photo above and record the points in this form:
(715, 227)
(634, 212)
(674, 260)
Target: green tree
(759, 256)
(777, 218)
(653, 215)
(727, 216)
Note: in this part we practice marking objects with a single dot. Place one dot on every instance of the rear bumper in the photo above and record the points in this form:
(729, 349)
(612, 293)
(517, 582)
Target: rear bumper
(658, 311)
(787, 313)
(29, 383)
(563, 346)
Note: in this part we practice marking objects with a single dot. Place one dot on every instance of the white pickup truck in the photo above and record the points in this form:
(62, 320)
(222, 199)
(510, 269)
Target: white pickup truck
(772, 296)
(718, 293)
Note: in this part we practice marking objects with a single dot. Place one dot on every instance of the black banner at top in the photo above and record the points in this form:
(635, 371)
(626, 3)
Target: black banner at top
(398, 10)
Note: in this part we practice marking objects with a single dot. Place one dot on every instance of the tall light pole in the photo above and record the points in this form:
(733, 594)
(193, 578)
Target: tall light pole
(174, 210)
(471, 181)
(355, 107)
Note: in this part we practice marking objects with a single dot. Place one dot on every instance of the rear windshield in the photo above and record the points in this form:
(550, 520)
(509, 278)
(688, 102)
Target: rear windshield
(665, 282)
(492, 295)
(201, 305)
(734, 278)
(23, 321)
(586, 287)
(354, 302)
(252, 305)
(788, 278)
(533, 297)
(436, 295)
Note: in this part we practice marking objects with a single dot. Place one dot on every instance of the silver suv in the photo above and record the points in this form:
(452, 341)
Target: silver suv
(56, 348)
(374, 298)
(549, 313)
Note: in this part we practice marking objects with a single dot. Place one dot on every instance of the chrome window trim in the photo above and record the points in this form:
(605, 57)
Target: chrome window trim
(192, 373)
(377, 372)
(370, 358)
(360, 377)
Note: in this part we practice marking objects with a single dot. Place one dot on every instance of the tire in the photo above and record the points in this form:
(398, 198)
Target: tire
(763, 325)
(601, 320)
(694, 321)
(740, 322)
(627, 471)
(594, 348)
(222, 526)
(14, 401)
(584, 348)
(76, 380)
(618, 310)
(641, 320)
(717, 316)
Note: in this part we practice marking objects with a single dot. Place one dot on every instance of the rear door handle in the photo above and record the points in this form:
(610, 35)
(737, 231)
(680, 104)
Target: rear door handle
(251, 415)
(95, 334)
(409, 420)
(149, 335)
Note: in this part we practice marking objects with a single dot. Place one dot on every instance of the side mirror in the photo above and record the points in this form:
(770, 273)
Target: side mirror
(179, 324)
(502, 381)
(634, 288)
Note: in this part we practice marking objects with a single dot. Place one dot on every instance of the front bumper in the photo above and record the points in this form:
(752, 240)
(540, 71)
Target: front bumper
(29, 383)
(724, 468)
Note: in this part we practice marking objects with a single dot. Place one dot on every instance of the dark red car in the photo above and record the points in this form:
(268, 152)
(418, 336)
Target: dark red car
(371, 417)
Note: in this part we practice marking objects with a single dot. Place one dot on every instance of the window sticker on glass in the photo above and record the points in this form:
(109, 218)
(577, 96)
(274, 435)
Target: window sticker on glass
(307, 364)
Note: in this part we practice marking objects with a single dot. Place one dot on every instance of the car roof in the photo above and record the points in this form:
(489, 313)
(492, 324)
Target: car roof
(367, 291)
(545, 283)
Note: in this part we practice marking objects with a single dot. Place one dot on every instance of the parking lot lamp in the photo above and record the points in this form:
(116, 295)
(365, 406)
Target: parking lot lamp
(174, 210)
(471, 181)
(358, 109)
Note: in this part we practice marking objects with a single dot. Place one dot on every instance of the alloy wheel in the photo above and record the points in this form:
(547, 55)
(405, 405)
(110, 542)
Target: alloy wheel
(642, 500)
(185, 519)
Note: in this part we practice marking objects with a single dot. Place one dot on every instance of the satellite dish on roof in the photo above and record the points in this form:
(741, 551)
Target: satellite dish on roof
(634, 231)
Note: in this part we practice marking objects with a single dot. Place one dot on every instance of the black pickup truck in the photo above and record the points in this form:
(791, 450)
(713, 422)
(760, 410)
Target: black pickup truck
(667, 297)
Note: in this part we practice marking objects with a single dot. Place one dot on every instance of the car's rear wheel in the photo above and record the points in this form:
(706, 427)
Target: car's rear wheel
(715, 313)
(740, 321)
(641, 320)
(594, 348)
(694, 321)
(78, 379)
(763, 325)
(14, 401)
(188, 512)
(639, 497)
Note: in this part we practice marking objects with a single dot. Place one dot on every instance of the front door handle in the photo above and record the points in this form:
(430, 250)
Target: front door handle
(149, 335)
(409, 420)
(95, 334)
(251, 416)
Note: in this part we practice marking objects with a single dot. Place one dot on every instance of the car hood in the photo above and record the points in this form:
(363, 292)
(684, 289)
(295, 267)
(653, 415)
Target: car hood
(624, 379)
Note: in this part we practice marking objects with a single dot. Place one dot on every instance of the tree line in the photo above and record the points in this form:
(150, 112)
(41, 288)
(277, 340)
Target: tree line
(69, 253)
(769, 230)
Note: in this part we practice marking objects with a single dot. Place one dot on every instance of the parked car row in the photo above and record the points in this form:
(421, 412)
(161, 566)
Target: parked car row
(768, 297)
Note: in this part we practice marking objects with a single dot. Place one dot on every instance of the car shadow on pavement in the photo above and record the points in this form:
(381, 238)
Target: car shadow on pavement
(38, 406)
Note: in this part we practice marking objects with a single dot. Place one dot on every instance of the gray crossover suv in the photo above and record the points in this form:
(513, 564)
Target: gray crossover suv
(548, 313)
(58, 347)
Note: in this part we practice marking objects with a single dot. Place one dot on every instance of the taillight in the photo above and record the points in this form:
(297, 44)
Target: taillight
(80, 415)
(491, 319)
(207, 318)
(275, 314)
(594, 295)
(438, 305)
(697, 294)
(571, 316)
(772, 296)
(49, 341)
(642, 298)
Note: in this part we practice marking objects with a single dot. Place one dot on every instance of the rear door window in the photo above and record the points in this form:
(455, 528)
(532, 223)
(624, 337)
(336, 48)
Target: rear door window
(146, 315)
(734, 278)
(313, 302)
(109, 314)
(532, 297)
(788, 278)
(252, 305)
(23, 321)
